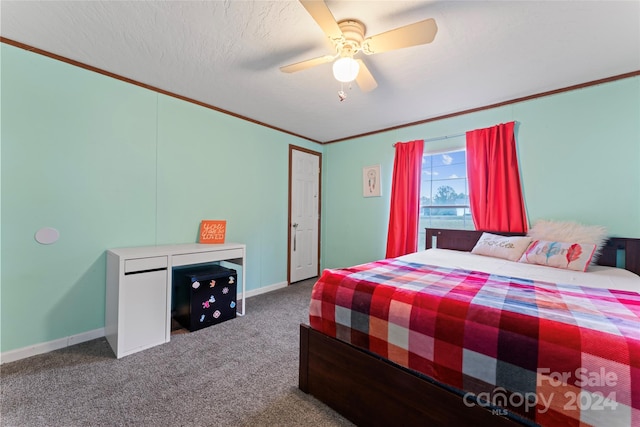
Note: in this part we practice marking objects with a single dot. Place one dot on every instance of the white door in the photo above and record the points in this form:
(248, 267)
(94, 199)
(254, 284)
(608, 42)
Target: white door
(304, 215)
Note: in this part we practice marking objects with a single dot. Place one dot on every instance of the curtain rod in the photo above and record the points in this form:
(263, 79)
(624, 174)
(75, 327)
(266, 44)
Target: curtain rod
(440, 138)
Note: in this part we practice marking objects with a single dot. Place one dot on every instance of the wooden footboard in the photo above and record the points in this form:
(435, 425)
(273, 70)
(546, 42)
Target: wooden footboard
(370, 391)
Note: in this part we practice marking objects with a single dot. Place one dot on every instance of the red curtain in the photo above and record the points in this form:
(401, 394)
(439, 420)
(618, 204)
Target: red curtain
(402, 237)
(495, 194)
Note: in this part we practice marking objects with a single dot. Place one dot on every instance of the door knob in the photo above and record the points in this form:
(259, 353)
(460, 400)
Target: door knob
(294, 225)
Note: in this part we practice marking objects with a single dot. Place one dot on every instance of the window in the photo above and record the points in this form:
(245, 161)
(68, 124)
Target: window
(444, 193)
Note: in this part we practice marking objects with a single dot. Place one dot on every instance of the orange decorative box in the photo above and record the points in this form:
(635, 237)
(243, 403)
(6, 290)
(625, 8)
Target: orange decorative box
(212, 231)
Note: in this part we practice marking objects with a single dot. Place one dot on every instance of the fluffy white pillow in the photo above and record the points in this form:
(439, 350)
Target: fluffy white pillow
(506, 247)
(570, 256)
(570, 232)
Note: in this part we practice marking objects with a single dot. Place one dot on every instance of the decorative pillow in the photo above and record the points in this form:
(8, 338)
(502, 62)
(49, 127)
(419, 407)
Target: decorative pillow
(507, 247)
(570, 256)
(568, 231)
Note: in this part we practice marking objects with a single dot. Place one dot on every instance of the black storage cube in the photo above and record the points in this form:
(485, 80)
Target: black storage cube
(203, 295)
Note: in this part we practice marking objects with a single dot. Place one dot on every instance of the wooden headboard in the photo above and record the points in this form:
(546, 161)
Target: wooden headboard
(465, 240)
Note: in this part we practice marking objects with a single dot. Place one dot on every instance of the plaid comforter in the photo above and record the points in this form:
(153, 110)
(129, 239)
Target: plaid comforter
(553, 353)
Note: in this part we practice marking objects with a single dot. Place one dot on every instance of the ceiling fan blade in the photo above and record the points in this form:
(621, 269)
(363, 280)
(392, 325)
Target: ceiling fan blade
(323, 16)
(365, 80)
(299, 66)
(422, 32)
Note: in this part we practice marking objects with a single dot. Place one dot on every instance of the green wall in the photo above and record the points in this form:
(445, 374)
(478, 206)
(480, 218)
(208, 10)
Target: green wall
(579, 159)
(111, 164)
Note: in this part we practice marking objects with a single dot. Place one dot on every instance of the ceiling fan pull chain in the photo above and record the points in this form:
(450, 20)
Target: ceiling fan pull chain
(341, 94)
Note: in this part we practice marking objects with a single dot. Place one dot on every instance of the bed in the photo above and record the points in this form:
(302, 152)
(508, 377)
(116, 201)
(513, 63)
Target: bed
(560, 371)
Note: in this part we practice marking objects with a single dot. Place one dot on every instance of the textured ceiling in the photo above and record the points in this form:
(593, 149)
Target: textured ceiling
(227, 54)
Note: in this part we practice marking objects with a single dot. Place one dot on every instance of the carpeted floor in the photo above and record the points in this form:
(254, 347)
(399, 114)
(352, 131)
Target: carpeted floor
(243, 372)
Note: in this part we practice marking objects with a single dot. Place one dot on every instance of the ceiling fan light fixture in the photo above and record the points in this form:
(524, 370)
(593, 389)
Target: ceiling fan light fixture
(346, 69)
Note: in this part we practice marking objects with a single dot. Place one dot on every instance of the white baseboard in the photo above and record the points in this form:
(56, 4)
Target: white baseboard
(265, 289)
(45, 347)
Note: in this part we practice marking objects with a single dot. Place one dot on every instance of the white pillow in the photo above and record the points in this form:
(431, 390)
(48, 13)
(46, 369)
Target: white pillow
(506, 247)
(570, 256)
(572, 232)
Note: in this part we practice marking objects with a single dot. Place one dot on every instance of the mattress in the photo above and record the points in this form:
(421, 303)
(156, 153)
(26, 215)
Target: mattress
(554, 346)
(596, 276)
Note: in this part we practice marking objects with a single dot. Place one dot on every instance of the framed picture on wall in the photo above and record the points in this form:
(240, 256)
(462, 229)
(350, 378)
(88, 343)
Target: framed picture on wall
(371, 181)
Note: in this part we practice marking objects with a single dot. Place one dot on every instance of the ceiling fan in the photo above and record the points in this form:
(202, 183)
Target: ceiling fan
(348, 38)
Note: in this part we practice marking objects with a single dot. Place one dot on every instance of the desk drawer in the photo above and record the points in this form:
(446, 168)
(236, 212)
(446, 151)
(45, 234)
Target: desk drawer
(202, 257)
(143, 264)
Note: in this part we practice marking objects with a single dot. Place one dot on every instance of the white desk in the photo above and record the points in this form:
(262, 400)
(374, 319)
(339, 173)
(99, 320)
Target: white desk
(138, 299)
